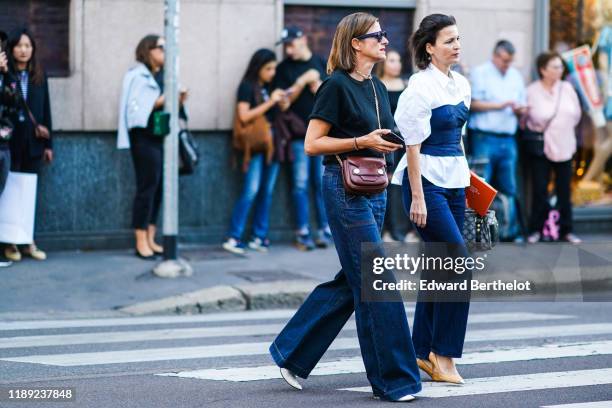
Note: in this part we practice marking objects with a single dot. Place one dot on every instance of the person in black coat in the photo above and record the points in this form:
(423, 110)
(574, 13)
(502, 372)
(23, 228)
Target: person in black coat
(31, 144)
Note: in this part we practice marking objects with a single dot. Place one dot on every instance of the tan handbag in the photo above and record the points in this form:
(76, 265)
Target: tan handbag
(365, 175)
(252, 137)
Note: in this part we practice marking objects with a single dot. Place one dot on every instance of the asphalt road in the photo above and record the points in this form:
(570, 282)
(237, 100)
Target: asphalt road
(516, 355)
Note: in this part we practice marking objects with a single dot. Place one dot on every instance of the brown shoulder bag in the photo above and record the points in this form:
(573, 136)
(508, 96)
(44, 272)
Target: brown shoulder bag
(365, 175)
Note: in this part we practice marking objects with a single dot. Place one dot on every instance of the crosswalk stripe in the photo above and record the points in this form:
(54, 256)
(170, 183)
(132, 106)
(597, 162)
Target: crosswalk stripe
(238, 316)
(148, 320)
(355, 364)
(189, 333)
(596, 404)
(261, 348)
(512, 383)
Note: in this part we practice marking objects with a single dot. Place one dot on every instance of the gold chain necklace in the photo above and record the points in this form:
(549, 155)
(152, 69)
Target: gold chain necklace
(364, 76)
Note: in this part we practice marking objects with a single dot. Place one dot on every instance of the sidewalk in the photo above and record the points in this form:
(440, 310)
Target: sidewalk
(103, 282)
(111, 283)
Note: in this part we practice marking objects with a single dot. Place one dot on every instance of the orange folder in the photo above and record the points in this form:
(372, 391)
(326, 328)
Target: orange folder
(479, 194)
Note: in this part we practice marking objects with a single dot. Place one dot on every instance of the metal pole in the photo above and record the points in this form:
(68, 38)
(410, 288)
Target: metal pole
(171, 73)
(541, 29)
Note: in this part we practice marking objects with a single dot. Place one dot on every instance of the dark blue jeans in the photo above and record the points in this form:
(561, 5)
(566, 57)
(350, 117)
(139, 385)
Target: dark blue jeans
(500, 170)
(382, 327)
(259, 184)
(439, 326)
(305, 169)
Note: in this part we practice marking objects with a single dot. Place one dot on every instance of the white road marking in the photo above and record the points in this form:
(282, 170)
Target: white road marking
(261, 348)
(194, 333)
(512, 383)
(355, 364)
(239, 316)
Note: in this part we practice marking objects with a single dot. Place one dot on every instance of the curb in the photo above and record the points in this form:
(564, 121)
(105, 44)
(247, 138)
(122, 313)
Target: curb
(225, 298)
(277, 294)
(213, 299)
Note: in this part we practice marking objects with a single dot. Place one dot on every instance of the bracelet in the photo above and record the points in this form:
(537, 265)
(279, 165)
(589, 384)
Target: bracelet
(355, 146)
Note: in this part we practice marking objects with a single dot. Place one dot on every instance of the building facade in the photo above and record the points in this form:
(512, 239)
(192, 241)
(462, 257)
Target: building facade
(85, 195)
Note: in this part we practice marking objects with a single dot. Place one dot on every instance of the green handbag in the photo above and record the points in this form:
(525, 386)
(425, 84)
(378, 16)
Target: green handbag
(161, 123)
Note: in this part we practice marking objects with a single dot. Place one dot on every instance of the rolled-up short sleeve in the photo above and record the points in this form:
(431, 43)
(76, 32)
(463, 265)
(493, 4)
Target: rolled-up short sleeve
(413, 114)
(327, 102)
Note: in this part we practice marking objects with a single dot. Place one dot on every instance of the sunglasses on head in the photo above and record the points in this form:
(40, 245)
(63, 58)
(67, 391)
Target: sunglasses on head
(378, 35)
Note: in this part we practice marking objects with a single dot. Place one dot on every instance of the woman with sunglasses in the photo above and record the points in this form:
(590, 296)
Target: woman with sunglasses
(434, 173)
(141, 97)
(345, 120)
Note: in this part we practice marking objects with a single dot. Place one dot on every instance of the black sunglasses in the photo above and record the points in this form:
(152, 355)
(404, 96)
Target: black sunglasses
(378, 35)
(160, 46)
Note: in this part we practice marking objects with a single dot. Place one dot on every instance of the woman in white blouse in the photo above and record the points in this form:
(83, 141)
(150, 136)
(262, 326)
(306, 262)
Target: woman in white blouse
(434, 172)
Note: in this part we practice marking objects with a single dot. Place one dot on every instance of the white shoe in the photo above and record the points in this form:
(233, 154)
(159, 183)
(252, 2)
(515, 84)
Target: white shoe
(234, 246)
(534, 237)
(290, 378)
(405, 398)
(387, 237)
(411, 237)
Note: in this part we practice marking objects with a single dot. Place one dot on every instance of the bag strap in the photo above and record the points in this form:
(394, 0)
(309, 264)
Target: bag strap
(556, 108)
(377, 112)
(25, 105)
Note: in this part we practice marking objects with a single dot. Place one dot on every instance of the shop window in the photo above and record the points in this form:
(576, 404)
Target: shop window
(319, 23)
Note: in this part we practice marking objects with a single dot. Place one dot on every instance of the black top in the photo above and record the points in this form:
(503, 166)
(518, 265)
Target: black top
(349, 106)
(9, 104)
(38, 100)
(394, 99)
(159, 78)
(246, 93)
(289, 71)
(394, 158)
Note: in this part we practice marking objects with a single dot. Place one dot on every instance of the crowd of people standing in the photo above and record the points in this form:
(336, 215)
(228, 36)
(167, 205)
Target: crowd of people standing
(500, 106)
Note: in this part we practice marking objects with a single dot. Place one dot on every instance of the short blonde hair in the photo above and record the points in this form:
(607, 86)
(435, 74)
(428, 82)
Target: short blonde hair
(342, 55)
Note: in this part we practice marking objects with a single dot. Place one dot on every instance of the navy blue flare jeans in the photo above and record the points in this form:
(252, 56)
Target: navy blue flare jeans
(382, 327)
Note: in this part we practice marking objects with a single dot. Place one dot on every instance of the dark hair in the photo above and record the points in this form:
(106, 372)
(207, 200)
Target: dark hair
(427, 33)
(144, 47)
(261, 57)
(504, 45)
(544, 58)
(35, 70)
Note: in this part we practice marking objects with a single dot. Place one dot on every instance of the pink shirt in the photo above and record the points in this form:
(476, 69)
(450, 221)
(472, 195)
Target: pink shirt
(560, 137)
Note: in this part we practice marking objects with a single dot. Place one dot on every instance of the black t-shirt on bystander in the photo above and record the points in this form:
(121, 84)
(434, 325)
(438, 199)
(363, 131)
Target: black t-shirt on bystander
(246, 93)
(349, 106)
(289, 71)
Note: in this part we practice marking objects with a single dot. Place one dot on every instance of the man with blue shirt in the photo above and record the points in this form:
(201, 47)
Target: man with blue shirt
(498, 100)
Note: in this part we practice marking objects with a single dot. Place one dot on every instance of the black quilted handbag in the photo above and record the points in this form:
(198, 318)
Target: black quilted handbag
(480, 233)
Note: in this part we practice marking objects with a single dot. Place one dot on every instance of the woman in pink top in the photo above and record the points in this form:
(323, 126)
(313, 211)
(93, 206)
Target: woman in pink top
(543, 97)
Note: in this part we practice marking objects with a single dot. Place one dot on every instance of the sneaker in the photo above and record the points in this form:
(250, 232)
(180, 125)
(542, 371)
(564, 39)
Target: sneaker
(324, 238)
(411, 237)
(5, 263)
(35, 253)
(571, 238)
(304, 242)
(234, 246)
(258, 244)
(387, 237)
(534, 237)
(11, 252)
